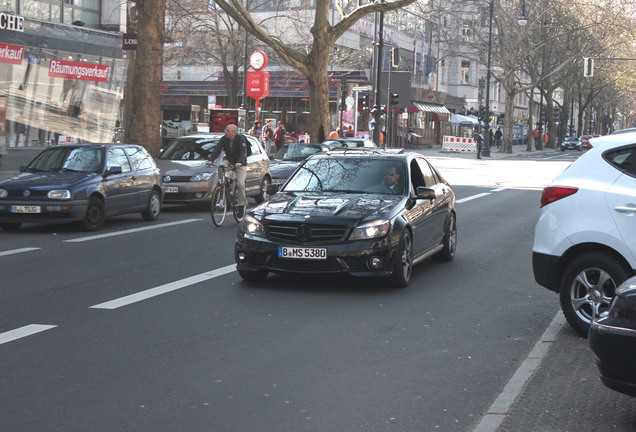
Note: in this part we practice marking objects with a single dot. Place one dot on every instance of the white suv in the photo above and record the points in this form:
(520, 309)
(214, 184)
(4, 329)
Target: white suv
(585, 239)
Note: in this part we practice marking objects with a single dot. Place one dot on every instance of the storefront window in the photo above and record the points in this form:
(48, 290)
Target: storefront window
(50, 95)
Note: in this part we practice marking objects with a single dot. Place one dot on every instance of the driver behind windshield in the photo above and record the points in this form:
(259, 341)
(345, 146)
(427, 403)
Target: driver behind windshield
(392, 179)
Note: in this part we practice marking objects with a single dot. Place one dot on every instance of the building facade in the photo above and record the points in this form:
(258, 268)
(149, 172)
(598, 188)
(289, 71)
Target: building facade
(62, 71)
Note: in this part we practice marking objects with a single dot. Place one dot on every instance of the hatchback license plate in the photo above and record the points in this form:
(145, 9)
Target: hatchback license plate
(172, 189)
(25, 209)
(302, 253)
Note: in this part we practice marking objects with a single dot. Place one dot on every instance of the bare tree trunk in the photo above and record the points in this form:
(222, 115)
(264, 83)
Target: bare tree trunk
(506, 145)
(550, 126)
(319, 107)
(511, 91)
(143, 114)
(131, 27)
(530, 137)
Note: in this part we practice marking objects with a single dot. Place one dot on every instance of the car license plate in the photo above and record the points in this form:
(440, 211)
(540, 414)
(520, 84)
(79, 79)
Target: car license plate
(172, 189)
(302, 253)
(25, 209)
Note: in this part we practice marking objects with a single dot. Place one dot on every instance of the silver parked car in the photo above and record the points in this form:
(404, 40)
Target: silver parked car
(187, 178)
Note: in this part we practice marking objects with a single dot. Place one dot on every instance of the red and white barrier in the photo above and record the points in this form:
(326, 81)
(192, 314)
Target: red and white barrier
(459, 144)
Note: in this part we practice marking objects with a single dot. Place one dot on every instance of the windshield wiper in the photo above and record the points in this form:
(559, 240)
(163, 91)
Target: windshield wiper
(345, 190)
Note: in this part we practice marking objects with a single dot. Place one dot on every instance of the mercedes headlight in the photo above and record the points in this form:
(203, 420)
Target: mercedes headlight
(369, 230)
(252, 226)
(3, 193)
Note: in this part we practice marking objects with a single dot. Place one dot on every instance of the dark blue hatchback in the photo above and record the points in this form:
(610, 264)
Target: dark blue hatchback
(86, 182)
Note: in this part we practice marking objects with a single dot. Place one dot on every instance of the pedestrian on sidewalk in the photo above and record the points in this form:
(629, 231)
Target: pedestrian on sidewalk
(268, 135)
(498, 136)
(279, 135)
(480, 141)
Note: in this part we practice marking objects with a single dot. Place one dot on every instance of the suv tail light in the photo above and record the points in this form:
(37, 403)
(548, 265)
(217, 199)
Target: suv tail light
(551, 194)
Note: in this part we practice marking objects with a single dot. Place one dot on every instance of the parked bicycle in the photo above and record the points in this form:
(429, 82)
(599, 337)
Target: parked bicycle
(224, 197)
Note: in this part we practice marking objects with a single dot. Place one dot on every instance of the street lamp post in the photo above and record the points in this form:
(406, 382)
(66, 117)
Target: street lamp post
(486, 150)
(377, 114)
(523, 20)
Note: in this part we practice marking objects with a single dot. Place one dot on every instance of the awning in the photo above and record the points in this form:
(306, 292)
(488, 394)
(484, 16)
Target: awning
(461, 120)
(441, 109)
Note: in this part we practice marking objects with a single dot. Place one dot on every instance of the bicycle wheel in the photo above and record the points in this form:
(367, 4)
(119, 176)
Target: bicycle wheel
(238, 212)
(218, 205)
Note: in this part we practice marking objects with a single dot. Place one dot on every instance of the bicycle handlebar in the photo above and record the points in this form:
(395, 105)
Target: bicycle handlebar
(230, 166)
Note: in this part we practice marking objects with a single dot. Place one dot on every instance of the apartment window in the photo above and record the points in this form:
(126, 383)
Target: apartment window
(8, 5)
(466, 32)
(464, 73)
(66, 11)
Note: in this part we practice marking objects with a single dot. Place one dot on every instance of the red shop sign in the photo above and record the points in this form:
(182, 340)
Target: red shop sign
(258, 84)
(11, 53)
(77, 70)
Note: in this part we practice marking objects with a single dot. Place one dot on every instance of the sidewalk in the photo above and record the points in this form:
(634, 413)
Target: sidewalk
(565, 394)
(494, 153)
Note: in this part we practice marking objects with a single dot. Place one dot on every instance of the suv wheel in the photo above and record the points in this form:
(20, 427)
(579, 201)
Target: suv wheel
(588, 286)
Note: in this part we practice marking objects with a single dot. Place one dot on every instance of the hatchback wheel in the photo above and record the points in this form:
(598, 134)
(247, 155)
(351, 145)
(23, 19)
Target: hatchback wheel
(403, 266)
(153, 208)
(262, 195)
(95, 215)
(588, 286)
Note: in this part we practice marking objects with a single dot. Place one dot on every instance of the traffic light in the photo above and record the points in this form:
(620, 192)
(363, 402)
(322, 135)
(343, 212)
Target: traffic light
(588, 67)
(482, 112)
(367, 102)
(395, 57)
(394, 99)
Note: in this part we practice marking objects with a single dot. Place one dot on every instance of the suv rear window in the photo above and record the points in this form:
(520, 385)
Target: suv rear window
(624, 159)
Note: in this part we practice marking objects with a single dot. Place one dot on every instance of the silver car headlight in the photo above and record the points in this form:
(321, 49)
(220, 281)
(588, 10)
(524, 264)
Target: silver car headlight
(251, 225)
(369, 230)
(201, 177)
(61, 194)
(3, 193)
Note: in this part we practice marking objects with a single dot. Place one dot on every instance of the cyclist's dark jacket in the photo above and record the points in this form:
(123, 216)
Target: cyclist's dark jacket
(235, 150)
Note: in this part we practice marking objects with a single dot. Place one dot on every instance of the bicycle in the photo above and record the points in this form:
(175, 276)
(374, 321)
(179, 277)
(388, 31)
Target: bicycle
(224, 197)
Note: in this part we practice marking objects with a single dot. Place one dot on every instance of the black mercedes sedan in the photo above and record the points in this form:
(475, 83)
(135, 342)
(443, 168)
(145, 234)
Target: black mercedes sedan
(358, 212)
(83, 182)
(613, 340)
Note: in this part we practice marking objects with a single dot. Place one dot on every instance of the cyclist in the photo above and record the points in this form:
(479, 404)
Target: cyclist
(235, 147)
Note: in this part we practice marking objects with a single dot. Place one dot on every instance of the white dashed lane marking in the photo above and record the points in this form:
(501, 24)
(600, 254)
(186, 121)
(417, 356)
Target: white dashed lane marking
(172, 286)
(16, 251)
(22, 332)
(130, 231)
